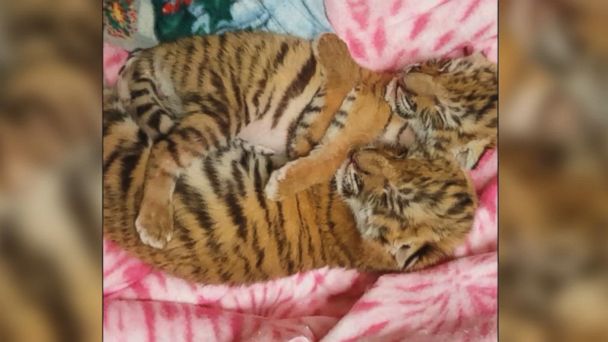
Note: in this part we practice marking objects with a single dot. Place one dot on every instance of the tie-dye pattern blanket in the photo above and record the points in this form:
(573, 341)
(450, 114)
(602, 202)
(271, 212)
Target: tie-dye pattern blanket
(454, 301)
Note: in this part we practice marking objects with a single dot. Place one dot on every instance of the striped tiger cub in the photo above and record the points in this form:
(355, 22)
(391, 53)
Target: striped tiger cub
(194, 95)
(384, 210)
(450, 105)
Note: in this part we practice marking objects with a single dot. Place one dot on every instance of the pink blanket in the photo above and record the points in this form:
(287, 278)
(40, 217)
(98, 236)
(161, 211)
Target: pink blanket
(454, 301)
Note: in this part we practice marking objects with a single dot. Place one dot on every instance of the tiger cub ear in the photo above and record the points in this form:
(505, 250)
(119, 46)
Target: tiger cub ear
(333, 55)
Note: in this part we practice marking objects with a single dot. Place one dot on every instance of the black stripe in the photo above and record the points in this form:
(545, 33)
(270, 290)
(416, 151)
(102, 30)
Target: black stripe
(303, 125)
(338, 124)
(143, 109)
(236, 250)
(237, 176)
(111, 117)
(291, 131)
(111, 159)
(154, 119)
(301, 229)
(401, 130)
(239, 68)
(464, 201)
(186, 132)
(253, 65)
(211, 107)
(212, 175)
(221, 47)
(236, 91)
(419, 253)
(259, 252)
(341, 113)
(258, 185)
(149, 82)
(310, 108)
(267, 106)
(138, 93)
(202, 68)
(244, 160)
(172, 148)
(332, 225)
(490, 104)
(212, 137)
(219, 86)
(236, 213)
(261, 86)
(174, 66)
(187, 69)
(296, 87)
(282, 239)
(197, 205)
(280, 57)
(128, 164)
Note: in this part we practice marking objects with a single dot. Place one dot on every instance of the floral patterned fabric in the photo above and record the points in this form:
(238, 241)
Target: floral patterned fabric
(135, 24)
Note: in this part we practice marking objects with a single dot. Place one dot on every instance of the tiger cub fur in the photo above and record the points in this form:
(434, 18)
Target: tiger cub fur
(194, 95)
(451, 105)
(385, 210)
(442, 107)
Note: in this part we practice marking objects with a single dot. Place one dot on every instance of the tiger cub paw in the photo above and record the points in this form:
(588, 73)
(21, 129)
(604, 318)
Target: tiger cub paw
(275, 188)
(154, 224)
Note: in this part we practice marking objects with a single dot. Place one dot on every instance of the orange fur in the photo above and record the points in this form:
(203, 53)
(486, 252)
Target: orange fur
(228, 232)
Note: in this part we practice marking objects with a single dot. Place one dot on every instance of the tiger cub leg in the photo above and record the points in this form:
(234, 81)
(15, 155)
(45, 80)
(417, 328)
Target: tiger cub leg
(191, 138)
(468, 155)
(315, 121)
(360, 120)
(341, 74)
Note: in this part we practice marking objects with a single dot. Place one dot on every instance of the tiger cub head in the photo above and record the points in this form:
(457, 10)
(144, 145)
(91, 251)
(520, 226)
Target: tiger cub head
(419, 209)
(451, 105)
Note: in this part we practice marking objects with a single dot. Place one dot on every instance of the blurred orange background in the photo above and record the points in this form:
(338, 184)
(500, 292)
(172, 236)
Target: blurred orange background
(50, 170)
(553, 167)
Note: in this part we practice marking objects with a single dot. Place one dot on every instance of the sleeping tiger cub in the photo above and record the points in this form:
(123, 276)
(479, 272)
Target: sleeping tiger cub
(194, 95)
(385, 210)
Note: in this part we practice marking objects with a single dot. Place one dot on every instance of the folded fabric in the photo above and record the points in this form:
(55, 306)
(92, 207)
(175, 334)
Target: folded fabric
(135, 24)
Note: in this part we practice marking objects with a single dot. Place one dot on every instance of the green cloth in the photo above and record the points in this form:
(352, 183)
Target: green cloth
(180, 24)
(133, 24)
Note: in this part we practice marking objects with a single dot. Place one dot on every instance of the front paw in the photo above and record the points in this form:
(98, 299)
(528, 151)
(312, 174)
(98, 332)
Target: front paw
(274, 187)
(154, 224)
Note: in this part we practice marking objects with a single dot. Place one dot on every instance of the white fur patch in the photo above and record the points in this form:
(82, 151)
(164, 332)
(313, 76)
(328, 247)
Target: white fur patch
(147, 239)
(272, 187)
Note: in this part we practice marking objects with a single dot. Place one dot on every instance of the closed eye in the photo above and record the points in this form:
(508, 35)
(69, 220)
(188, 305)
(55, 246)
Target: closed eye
(412, 259)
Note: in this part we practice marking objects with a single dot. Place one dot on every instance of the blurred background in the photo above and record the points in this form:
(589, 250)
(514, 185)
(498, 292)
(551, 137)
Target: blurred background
(50, 170)
(553, 170)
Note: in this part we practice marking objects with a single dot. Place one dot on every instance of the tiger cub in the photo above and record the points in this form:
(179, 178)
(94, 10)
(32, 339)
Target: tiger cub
(194, 95)
(385, 210)
(443, 107)
(450, 105)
